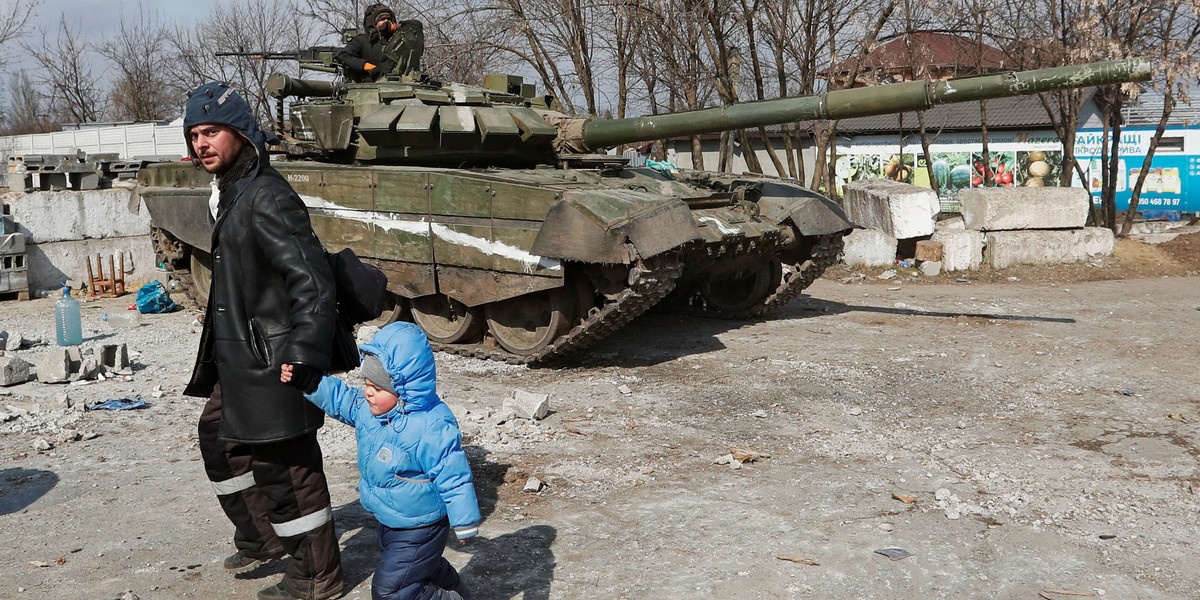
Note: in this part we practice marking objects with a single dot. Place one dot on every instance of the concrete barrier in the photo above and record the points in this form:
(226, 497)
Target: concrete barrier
(76, 215)
(1032, 247)
(900, 210)
(1004, 209)
(869, 248)
(63, 230)
(962, 250)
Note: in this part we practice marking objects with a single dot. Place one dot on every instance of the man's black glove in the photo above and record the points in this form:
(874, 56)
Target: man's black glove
(305, 378)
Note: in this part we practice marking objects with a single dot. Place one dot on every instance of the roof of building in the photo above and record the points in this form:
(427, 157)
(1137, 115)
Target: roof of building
(933, 51)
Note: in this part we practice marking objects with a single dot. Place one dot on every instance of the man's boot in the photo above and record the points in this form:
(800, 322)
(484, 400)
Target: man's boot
(241, 561)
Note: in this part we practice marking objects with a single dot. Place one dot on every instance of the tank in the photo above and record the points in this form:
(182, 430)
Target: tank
(507, 232)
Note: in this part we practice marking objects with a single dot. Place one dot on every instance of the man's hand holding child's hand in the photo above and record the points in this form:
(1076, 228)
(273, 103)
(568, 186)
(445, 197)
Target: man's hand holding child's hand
(302, 377)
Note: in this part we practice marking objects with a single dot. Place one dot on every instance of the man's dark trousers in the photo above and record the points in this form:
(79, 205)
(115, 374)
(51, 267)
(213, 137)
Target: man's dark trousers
(278, 500)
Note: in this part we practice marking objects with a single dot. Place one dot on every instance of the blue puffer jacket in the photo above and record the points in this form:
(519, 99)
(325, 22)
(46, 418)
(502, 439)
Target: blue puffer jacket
(411, 460)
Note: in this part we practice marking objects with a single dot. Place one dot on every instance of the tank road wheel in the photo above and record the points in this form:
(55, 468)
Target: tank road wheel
(527, 324)
(739, 290)
(201, 278)
(446, 320)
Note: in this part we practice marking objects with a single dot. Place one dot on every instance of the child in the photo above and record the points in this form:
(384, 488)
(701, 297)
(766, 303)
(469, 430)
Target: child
(415, 476)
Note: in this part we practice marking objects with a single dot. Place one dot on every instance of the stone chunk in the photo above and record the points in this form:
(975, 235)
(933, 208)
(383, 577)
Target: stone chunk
(899, 209)
(869, 248)
(11, 340)
(1006, 209)
(13, 370)
(528, 405)
(1007, 248)
(54, 366)
(931, 268)
(961, 250)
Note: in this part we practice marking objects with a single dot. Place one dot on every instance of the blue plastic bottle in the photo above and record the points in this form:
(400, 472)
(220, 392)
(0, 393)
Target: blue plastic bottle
(66, 320)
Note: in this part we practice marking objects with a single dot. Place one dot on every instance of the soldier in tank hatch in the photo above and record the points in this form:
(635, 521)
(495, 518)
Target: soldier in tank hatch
(363, 56)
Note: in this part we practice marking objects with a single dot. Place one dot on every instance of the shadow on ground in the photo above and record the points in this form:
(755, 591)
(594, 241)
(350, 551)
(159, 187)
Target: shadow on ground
(21, 487)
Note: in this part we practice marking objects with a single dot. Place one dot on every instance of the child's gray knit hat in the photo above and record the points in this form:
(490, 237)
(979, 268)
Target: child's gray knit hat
(374, 372)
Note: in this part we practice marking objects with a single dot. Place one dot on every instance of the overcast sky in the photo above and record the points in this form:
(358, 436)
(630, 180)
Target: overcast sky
(99, 18)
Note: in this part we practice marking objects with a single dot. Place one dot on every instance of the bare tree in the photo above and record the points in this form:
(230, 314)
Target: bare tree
(1175, 31)
(141, 91)
(65, 70)
(28, 113)
(247, 26)
(16, 17)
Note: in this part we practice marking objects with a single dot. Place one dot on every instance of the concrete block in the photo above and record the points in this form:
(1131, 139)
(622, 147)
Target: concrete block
(869, 248)
(931, 268)
(10, 263)
(76, 215)
(13, 370)
(899, 209)
(528, 405)
(961, 250)
(53, 366)
(1006, 209)
(52, 263)
(1031, 247)
(14, 281)
(115, 358)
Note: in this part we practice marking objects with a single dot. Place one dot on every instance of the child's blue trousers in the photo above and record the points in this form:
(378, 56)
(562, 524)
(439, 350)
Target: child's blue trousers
(412, 566)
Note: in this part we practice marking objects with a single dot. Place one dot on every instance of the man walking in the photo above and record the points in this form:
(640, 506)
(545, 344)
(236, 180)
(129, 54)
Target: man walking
(271, 302)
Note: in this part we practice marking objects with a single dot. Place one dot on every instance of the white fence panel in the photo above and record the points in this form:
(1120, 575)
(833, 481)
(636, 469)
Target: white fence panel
(62, 141)
(88, 140)
(126, 141)
(112, 139)
(169, 141)
(43, 143)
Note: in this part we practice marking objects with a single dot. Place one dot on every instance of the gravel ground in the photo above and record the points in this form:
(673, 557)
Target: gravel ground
(1020, 434)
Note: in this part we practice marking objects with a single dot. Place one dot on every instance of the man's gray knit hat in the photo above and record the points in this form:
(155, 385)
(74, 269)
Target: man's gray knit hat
(374, 372)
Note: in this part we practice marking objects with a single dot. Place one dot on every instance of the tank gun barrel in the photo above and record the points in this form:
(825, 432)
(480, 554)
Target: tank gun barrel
(282, 86)
(314, 58)
(862, 102)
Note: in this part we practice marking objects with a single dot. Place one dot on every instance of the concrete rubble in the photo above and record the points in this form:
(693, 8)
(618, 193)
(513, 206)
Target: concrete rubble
(527, 405)
(75, 363)
(13, 370)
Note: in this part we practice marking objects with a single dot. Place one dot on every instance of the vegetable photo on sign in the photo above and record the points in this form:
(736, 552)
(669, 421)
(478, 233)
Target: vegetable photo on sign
(899, 167)
(1038, 168)
(998, 169)
(952, 172)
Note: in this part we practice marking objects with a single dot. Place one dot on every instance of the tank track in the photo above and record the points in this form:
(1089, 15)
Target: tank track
(656, 279)
(175, 255)
(796, 278)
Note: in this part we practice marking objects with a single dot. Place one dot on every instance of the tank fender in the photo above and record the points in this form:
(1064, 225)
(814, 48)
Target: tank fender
(813, 213)
(181, 212)
(594, 225)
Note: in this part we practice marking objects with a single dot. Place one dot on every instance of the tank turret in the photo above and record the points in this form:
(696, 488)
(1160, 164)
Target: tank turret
(505, 234)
